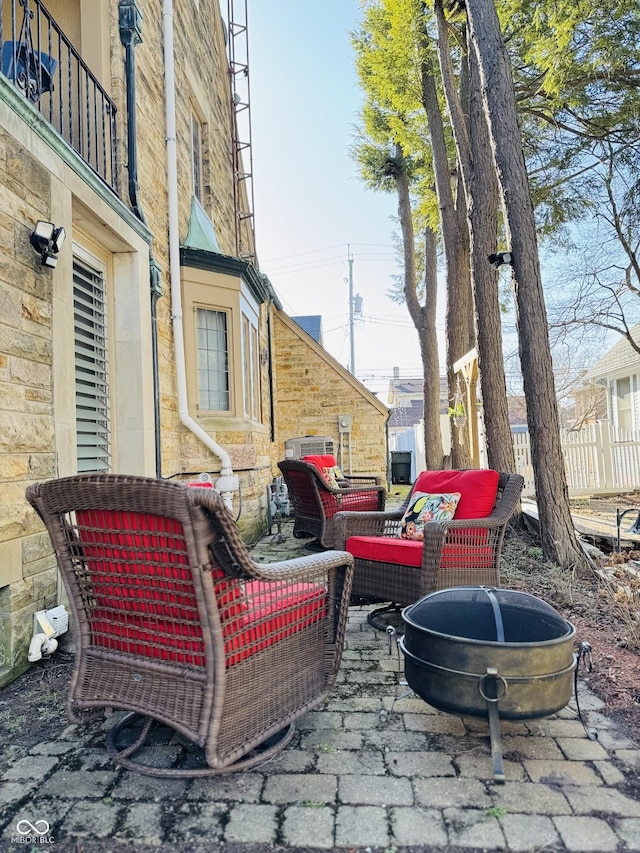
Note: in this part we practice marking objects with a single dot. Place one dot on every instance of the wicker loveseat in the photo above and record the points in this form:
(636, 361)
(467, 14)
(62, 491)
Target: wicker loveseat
(175, 623)
(316, 497)
(463, 551)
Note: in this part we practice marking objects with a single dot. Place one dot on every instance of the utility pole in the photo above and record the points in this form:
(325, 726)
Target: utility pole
(352, 365)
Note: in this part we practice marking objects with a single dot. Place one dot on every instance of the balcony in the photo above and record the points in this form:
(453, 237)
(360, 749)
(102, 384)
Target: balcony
(40, 61)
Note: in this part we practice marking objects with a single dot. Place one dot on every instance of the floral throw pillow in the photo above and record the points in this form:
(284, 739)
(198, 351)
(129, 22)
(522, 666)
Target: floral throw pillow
(426, 507)
(329, 473)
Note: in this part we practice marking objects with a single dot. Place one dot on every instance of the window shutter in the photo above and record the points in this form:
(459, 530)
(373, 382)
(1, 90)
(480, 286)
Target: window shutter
(91, 374)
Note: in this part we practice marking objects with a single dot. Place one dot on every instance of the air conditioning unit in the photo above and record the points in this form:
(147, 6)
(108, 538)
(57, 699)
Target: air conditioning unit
(308, 445)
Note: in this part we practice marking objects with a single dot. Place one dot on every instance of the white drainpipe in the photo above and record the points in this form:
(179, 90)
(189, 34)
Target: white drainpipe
(227, 483)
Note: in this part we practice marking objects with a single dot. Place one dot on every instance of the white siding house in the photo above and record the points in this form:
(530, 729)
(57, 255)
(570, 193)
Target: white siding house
(619, 372)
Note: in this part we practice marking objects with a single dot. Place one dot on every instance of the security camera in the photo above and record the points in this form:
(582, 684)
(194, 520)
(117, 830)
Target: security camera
(500, 258)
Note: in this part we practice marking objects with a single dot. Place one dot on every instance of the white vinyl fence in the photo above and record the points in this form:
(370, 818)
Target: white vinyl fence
(598, 458)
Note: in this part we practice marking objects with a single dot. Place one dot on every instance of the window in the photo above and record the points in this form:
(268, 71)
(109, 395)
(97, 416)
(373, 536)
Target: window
(91, 368)
(196, 157)
(623, 393)
(213, 360)
(222, 347)
(251, 364)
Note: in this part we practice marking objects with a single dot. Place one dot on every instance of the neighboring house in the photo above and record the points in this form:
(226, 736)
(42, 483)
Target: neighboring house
(408, 392)
(312, 324)
(406, 430)
(517, 409)
(618, 373)
(143, 343)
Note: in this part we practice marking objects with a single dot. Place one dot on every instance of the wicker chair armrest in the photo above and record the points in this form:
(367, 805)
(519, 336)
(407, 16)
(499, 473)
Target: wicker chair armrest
(489, 521)
(362, 480)
(303, 568)
(510, 498)
(365, 524)
(357, 490)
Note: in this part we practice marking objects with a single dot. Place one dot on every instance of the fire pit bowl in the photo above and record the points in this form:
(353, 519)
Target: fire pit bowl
(483, 652)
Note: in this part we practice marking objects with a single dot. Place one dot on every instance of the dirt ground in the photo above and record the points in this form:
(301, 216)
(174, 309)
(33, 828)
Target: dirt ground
(604, 607)
(34, 705)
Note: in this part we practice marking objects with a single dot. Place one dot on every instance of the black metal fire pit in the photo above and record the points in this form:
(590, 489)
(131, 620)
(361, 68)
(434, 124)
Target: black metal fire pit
(481, 652)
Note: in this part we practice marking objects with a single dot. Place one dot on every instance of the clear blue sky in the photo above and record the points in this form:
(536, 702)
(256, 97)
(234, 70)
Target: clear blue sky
(309, 202)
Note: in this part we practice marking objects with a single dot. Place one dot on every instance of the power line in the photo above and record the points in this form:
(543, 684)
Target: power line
(327, 249)
(289, 269)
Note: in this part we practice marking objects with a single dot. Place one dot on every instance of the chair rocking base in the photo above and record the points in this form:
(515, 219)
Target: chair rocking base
(389, 616)
(122, 756)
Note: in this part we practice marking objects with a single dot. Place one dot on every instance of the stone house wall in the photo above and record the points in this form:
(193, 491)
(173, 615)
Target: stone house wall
(312, 389)
(41, 178)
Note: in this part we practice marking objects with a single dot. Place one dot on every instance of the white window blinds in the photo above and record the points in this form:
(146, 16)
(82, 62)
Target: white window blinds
(91, 369)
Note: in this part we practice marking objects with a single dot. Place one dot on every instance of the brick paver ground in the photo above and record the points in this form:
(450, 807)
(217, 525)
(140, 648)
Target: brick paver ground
(375, 768)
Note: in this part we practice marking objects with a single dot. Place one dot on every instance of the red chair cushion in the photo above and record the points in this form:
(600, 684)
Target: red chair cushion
(362, 501)
(144, 598)
(381, 549)
(272, 613)
(321, 461)
(405, 552)
(478, 489)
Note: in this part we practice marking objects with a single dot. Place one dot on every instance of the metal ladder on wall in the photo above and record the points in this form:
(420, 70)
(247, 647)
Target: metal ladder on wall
(241, 127)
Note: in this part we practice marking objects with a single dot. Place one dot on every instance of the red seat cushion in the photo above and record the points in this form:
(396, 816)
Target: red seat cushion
(273, 612)
(381, 549)
(405, 552)
(478, 489)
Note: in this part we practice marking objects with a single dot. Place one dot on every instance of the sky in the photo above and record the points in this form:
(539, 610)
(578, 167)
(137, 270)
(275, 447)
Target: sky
(311, 210)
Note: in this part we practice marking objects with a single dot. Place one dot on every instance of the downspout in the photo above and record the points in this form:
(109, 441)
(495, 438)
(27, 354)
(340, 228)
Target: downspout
(227, 483)
(271, 389)
(130, 26)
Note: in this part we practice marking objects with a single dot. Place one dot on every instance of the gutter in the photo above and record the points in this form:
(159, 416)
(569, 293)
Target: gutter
(227, 483)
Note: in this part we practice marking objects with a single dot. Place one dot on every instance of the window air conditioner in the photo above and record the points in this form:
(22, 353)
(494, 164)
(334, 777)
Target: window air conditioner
(308, 445)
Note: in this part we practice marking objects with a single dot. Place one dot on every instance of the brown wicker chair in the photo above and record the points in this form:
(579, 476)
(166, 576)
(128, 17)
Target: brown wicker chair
(459, 552)
(315, 503)
(175, 623)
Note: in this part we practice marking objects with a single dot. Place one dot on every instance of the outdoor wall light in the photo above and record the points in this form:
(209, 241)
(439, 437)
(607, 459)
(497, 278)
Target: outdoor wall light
(47, 240)
(500, 258)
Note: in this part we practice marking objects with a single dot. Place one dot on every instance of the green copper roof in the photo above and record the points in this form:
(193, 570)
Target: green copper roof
(201, 234)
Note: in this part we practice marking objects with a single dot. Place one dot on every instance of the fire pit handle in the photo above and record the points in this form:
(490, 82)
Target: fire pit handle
(492, 674)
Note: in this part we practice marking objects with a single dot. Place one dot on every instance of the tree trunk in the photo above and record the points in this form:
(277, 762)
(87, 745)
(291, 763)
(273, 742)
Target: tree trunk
(483, 217)
(424, 317)
(455, 237)
(434, 453)
(557, 533)
(475, 161)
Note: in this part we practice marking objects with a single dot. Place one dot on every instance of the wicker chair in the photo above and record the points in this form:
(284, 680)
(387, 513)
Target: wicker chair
(176, 624)
(315, 503)
(460, 552)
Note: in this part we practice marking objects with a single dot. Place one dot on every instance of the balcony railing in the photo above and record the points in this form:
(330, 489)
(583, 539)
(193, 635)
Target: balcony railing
(45, 67)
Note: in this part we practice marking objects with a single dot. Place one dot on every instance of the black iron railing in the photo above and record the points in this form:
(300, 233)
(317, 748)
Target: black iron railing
(42, 63)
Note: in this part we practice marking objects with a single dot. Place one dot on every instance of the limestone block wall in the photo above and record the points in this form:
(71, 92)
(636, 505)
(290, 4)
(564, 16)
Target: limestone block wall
(42, 179)
(28, 577)
(312, 389)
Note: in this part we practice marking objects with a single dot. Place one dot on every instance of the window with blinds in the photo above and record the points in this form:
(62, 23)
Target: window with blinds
(91, 368)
